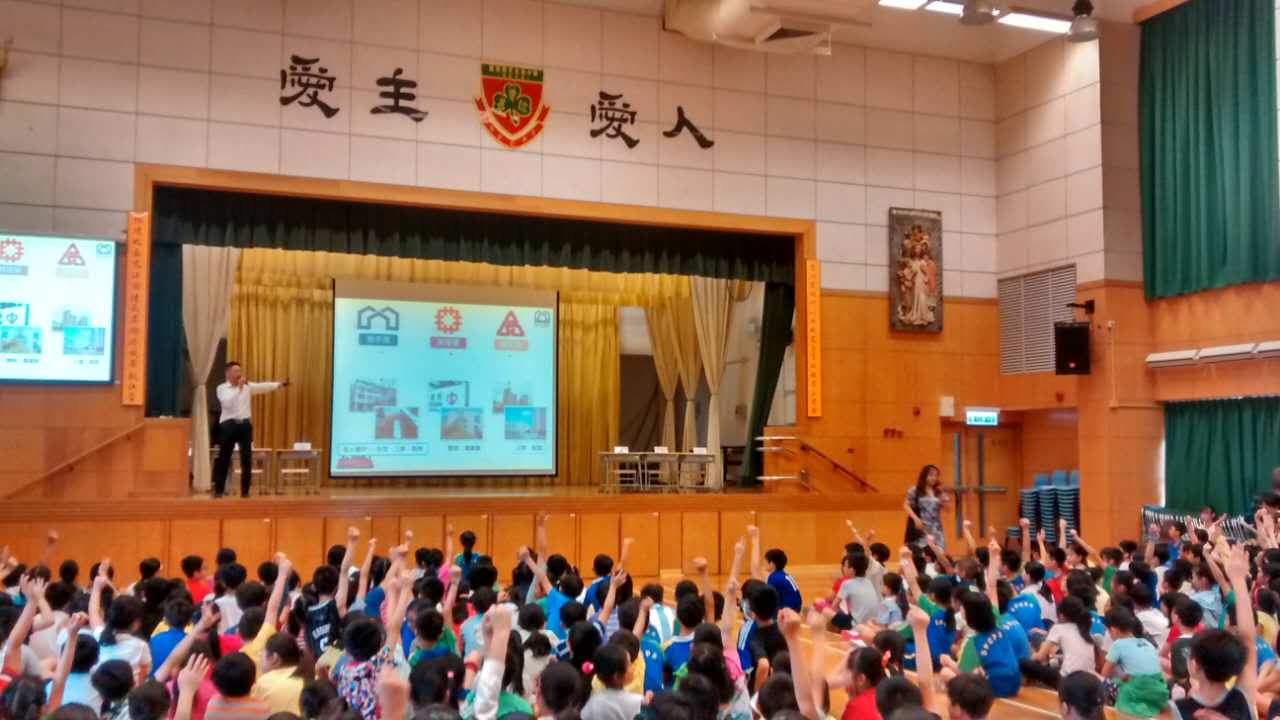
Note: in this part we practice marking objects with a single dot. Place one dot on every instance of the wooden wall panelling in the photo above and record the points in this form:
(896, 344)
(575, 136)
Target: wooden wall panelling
(794, 532)
(700, 537)
(733, 525)
(562, 535)
(302, 539)
(386, 528)
(643, 529)
(510, 533)
(597, 533)
(335, 533)
(428, 530)
(193, 537)
(253, 539)
(478, 524)
(670, 540)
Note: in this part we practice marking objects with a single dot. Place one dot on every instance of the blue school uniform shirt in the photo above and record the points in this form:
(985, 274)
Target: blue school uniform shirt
(373, 602)
(162, 645)
(746, 631)
(555, 601)
(998, 662)
(1264, 652)
(888, 613)
(675, 656)
(788, 591)
(1017, 583)
(1016, 636)
(590, 598)
(651, 650)
(940, 639)
(1024, 608)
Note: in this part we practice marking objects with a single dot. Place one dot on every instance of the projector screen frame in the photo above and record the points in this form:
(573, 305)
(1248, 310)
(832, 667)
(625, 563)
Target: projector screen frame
(474, 294)
(115, 307)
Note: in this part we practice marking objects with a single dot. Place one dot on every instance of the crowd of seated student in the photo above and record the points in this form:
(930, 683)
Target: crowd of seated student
(1183, 624)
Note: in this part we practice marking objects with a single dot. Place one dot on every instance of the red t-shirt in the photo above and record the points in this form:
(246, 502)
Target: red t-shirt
(1055, 588)
(198, 589)
(862, 706)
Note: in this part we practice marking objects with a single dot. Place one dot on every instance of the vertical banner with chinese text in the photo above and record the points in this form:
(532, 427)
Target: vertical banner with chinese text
(137, 276)
(813, 338)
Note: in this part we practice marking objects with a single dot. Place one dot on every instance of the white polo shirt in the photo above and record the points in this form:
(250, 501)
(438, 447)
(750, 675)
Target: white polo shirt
(235, 400)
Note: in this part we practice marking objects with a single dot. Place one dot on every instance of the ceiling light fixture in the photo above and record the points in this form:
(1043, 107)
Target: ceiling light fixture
(979, 12)
(945, 6)
(1084, 28)
(1036, 21)
(903, 4)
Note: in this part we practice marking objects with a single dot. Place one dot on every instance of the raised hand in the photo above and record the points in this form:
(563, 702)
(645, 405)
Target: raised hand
(917, 618)
(789, 622)
(1024, 523)
(753, 532)
(740, 547)
(191, 675)
(353, 534)
(619, 577)
(699, 565)
(1238, 564)
(77, 622)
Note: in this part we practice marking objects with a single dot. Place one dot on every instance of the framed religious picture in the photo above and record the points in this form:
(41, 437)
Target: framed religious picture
(915, 270)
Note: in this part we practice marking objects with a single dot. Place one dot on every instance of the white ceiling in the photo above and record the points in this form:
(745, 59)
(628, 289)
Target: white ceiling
(927, 33)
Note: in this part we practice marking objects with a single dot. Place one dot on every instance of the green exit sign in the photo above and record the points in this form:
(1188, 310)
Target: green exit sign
(982, 417)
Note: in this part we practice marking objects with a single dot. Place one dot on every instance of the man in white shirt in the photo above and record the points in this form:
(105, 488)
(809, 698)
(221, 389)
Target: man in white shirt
(235, 428)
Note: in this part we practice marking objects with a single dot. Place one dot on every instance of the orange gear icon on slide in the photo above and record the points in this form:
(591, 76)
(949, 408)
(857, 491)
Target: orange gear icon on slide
(10, 250)
(448, 320)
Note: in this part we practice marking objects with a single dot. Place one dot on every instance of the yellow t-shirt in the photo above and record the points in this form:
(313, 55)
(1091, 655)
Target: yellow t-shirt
(1269, 628)
(634, 685)
(254, 647)
(280, 689)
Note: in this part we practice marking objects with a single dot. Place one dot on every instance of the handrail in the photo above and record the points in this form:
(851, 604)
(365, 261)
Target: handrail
(863, 485)
(69, 464)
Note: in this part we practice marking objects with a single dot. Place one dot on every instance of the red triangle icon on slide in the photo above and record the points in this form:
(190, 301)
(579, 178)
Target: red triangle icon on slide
(71, 256)
(511, 326)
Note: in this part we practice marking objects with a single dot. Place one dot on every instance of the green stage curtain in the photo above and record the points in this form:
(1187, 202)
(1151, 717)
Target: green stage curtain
(1220, 452)
(1207, 103)
(775, 336)
(166, 343)
(207, 217)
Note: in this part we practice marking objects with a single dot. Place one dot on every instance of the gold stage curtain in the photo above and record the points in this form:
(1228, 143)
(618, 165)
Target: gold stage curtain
(667, 366)
(282, 326)
(684, 338)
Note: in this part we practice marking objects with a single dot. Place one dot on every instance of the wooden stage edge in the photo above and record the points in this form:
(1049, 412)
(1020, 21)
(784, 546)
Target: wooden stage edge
(356, 503)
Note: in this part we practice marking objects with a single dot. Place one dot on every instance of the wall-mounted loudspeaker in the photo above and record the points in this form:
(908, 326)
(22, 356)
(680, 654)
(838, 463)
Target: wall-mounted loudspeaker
(1071, 348)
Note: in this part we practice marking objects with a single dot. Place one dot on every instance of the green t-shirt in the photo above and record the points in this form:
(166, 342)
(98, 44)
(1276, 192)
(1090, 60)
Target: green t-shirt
(928, 606)
(1108, 573)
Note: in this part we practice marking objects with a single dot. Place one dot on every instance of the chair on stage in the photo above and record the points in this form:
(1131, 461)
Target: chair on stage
(623, 470)
(695, 470)
(661, 469)
(298, 471)
(263, 470)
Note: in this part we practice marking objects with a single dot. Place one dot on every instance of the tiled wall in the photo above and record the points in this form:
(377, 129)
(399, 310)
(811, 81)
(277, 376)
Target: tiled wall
(96, 85)
(1049, 175)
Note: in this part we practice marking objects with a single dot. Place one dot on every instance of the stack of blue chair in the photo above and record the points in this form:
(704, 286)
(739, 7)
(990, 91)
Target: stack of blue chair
(1053, 496)
(1068, 499)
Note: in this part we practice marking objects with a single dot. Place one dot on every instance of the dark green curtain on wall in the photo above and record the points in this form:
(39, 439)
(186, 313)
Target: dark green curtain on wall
(1207, 104)
(206, 217)
(1220, 452)
(775, 336)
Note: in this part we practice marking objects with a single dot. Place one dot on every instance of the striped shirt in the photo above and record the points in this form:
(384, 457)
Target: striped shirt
(244, 708)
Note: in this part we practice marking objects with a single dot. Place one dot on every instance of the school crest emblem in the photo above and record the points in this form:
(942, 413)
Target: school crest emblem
(510, 103)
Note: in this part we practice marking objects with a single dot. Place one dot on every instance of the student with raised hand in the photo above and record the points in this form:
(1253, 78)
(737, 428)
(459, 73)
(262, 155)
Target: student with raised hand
(190, 678)
(1219, 655)
(371, 646)
(486, 690)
